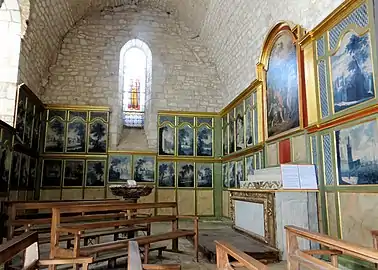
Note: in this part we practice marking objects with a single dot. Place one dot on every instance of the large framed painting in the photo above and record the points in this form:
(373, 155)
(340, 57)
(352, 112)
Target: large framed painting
(204, 175)
(52, 173)
(98, 136)
(95, 176)
(73, 173)
(167, 140)
(144, 168)
(119, 168)
(76, 133)
(185, 142)
(185, 174)
(357, 154)
(166, 177)
(282, 93)
(352, 71)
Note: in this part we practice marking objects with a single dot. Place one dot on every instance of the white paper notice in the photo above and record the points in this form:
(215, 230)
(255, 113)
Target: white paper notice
(290, 176)
(307, 176)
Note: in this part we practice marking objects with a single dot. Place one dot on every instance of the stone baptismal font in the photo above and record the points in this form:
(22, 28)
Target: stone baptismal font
(131, 191)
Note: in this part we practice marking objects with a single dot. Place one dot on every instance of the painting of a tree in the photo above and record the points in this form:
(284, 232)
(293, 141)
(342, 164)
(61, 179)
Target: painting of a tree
(185, 141)
(186, 175)
(204, 141)
(95, 173)
(76, 136)
(144, 169)
(352, 72)
(166, 174)
(55, 136)
(97, 138)
(205, 175)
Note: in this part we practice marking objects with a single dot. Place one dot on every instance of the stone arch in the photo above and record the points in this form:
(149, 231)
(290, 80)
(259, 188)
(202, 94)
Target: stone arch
(10, 25)
(142, 46)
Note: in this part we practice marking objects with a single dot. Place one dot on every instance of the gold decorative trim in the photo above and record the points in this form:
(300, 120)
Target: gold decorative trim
(77, 107)
(267, 200)
(181, 113)
(126, 152)
(189, 158)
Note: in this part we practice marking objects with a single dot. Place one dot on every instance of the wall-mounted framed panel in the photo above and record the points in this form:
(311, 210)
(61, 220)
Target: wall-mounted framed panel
(6, 137)
(95, 173)
(119, 168)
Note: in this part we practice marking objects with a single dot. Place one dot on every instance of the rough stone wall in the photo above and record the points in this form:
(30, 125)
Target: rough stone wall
(48, 22)
(234, 32)
(86, 71)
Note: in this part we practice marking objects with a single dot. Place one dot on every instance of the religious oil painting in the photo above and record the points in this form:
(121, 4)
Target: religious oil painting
(73, 173)
(357, 154)
(119, 168)
(52, 173)
(32, 174)
(352, 72)
(185, 143)
(15, 171)
(185, 174)
(282, 93)
(24, 171)
(98, 137)
(54, 140)
(249, 168)
(204, 141)
(95, 173)
(144, 168)
(225, 178)
(204, 175)
(232, 174)
(167, 140)
(166, 172)
(231, 146)
(5, 163)
(239, 173)
(239, 128)
(76, 136)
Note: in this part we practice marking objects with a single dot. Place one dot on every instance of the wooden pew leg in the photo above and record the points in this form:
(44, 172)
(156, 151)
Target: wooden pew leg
(146, 251)
(334, 260)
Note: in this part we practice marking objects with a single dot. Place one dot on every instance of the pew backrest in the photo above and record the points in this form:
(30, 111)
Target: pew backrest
(335, 247)
(224, 250)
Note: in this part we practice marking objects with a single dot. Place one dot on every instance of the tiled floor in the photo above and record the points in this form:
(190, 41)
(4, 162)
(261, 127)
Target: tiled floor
(185, 258)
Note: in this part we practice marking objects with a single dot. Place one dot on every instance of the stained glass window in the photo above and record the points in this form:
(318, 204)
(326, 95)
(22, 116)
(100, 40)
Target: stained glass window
(135, 72)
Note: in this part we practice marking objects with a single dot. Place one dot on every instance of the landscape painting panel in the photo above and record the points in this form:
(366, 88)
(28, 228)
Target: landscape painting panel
(282, 87)
(32, 174)
(120, 168)
(204, 175)
(225, 139)
(357, 154)
(186, 141)
(144, 168)
(24, 171)
(95, 174)
(231, 175)
(15, 171)
(166, 174)
(5, 163)
(74, 173)
(239, 173)
(231, 146)
(54, 136)
(249, 168)
(352, 72)
(185, 174)
(52, 173)
(76, 136)
(248, 127)
(166, 140)
(21, 114)
(239, 130)
(205, 141)
(225, 178)
(98, 132)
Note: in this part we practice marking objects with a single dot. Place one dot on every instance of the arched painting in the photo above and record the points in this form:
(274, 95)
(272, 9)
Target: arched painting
(282, 87)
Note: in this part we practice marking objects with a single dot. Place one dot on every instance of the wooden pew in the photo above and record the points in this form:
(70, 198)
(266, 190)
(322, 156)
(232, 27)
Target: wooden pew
(78, 229)
(297, 257)
(134, 261)
(224, 250)
(27, 243)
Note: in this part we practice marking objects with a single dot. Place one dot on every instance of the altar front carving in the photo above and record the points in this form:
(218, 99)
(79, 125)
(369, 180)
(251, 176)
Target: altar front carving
(263, 214)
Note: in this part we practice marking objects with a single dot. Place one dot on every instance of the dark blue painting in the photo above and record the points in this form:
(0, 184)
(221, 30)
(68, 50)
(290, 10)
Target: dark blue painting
(97, 137)
(185, 141)
(352, 72)
(166, 172)
(282, 86)
(225, 180)
(204, 175)
(76, 136)
(144, 168)
(357, 158)
(185, 174)
(54, 140)
(205, 141)
(119, 168)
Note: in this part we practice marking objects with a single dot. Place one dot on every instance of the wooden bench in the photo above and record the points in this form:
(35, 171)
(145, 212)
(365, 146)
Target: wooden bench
(27, 243)
(79, 229)
(134, 260)
(224, 250)
(336, 247)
